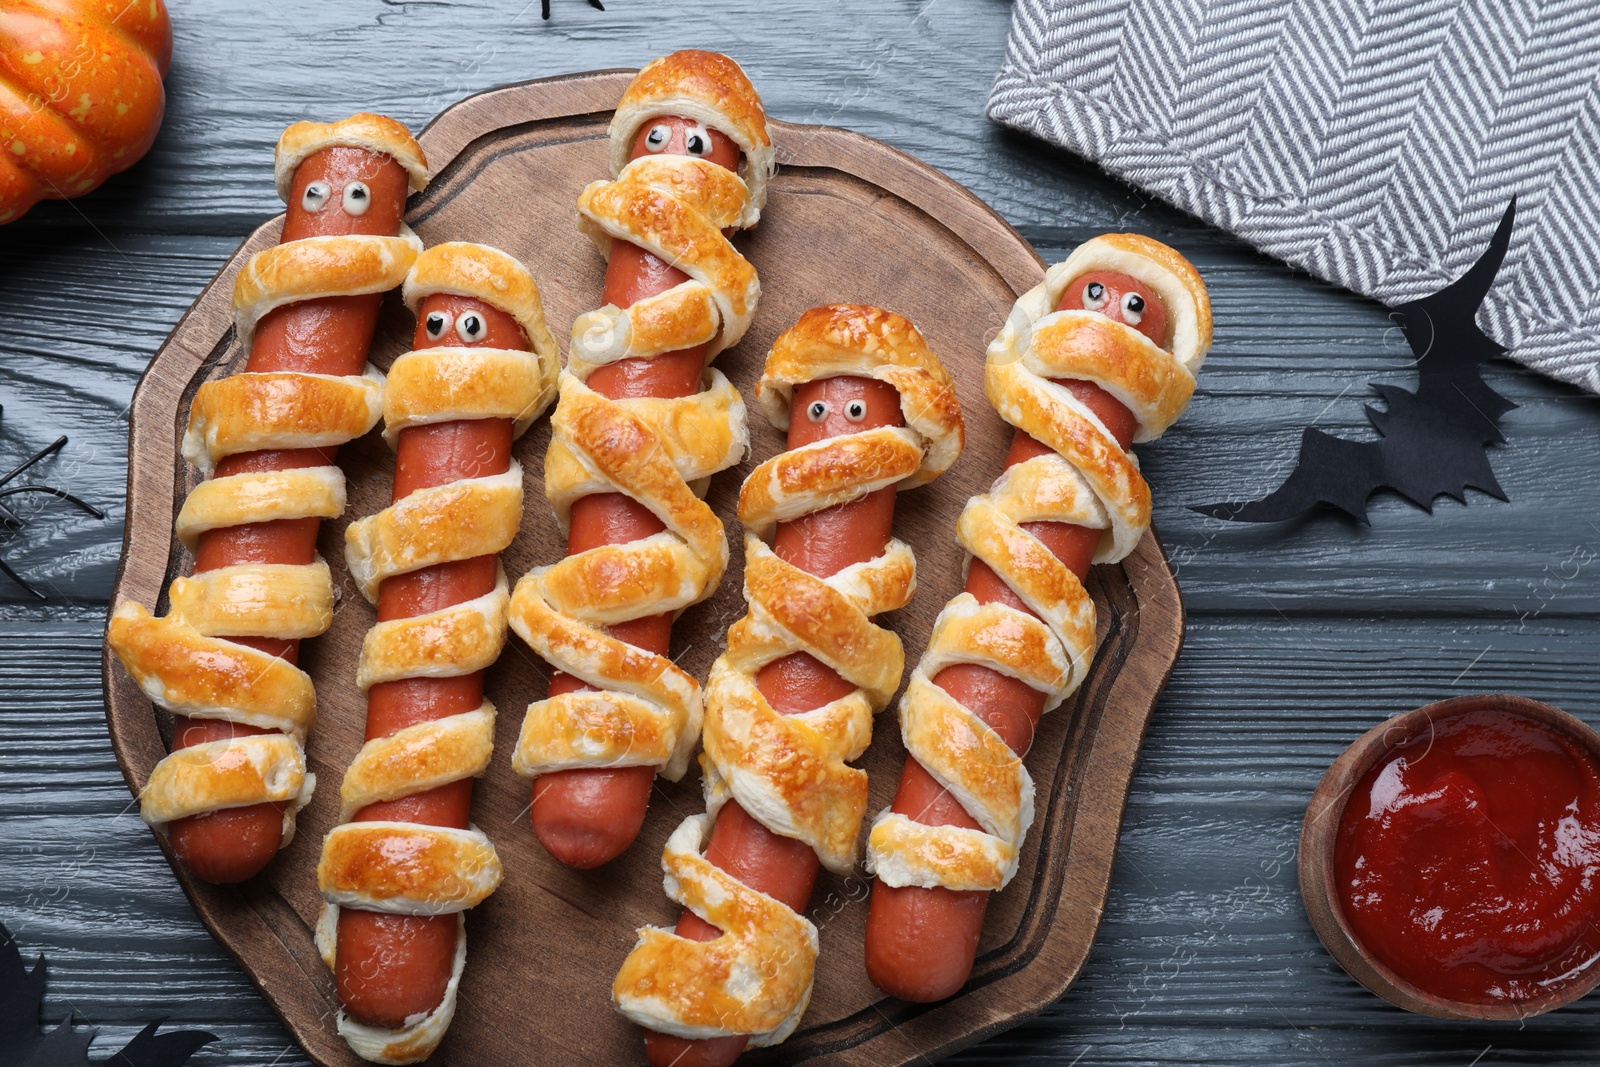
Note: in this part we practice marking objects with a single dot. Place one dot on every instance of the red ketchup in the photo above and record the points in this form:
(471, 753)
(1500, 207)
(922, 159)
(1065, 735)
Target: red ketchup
(1468, 859)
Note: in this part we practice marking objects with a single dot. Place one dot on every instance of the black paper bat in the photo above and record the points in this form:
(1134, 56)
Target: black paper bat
(1432, 441)
(10, 520)
(22, 1042)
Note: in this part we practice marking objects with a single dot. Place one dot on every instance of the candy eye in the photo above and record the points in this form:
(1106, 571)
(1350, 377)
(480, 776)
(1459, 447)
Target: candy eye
(471, 327)
(817, 410)
(1132, 308)
(697, 142)
(437, 323)
(315, 196)
(855, 410)
(657, 138)
(1094, 296)
(357, 198)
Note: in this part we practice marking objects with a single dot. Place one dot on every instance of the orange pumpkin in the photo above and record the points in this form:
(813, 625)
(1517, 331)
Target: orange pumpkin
(80, 94)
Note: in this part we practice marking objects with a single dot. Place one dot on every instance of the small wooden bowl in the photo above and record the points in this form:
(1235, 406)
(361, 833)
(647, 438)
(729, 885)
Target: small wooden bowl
(1320, 831)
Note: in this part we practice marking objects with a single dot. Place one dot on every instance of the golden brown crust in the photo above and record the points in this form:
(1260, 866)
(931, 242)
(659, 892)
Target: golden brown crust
(648, 450)
(828, 473)
(193, 675)
(1148, 381)
(302, 493)
(317, 267)
(406, 868)
(736, 989)
(1152, 259)
(681, 222)
(463, 519)
(709, 76)
(377, 133)
(423, 756)
(283, 409)
(234, 772)
(856, 339)
(1166, 376)
(476, 384)
(461, 639)
(1087, 480)
(707, 87)
(792, 772)
(203, 677)
(256, 600)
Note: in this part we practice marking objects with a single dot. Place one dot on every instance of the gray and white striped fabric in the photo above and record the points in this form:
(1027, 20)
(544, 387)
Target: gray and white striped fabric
(1374, 143)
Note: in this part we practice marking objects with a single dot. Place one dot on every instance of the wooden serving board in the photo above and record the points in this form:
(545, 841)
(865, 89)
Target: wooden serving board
(848, 219)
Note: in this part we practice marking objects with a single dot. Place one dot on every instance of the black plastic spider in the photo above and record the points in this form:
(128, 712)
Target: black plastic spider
(10, 520)
(544, 7)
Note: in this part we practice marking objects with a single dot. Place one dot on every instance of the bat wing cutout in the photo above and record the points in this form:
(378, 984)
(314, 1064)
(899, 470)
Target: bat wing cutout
(1431, 442)
(23, 1043)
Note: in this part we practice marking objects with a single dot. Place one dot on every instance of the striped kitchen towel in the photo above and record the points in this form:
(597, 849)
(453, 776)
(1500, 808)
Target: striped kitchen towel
(1373, 143)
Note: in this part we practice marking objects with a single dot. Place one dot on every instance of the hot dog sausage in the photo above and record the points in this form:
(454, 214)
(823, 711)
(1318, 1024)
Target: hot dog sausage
(821, 543)
(869, 410)
(587, 817)
(326, 336)
(921, 942)
(389, 967)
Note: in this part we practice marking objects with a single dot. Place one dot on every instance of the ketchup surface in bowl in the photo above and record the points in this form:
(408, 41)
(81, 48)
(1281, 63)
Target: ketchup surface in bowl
(1468, 859)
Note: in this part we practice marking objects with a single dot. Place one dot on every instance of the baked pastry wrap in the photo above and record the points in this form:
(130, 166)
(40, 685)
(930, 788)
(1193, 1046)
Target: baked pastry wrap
(791, 772)
(1086, 479)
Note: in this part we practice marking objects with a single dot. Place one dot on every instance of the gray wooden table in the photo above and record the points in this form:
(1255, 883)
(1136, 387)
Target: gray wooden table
(1300, 636)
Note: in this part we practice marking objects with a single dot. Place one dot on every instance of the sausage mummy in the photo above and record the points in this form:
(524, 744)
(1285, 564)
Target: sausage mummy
(405, 865)
(223, 658)
(1101, 355)
(641, 425)
(888, 420)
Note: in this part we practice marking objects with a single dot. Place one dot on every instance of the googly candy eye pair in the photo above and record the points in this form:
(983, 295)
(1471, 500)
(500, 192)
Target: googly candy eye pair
(696, 139)
(854, 410)
(355, 200)
(470, 327)
(1095, 298)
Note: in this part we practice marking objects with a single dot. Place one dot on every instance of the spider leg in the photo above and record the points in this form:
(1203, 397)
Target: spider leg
(59, 494)
(54, 446)
(15, 577)
(11, 519)
(7, 516)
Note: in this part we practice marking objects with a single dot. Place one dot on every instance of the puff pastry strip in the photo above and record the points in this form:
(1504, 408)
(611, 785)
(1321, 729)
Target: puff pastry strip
(642, 709)
(183, 660)
(412, 868)
(791, 772)
(1087, 480)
